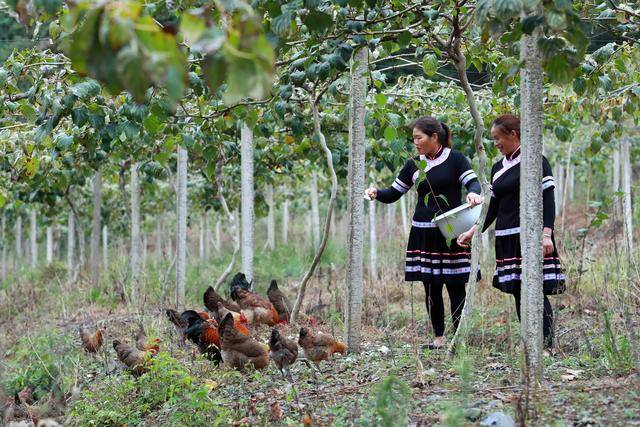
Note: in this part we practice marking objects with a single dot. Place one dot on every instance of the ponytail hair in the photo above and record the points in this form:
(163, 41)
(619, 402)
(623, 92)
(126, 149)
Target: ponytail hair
(430, 125)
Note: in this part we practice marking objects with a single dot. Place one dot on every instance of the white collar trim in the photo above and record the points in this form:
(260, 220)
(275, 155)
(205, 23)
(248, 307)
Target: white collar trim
(506, 165)
(432, 163)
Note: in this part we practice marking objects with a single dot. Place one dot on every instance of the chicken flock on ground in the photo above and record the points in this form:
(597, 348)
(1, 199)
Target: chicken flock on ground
(226, 336)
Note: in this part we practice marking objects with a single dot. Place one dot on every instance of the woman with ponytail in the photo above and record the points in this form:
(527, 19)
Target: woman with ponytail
(430, 259)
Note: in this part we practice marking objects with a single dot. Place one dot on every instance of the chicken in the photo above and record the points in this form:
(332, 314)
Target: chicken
(91, 341)
(282, 351)
(240, 281)
(143, 343)
(240, 321)
(203, 333)
(319, 346)
(133, 358)
(238, 350)
(254, 307)
(212, 299)
(279, 301)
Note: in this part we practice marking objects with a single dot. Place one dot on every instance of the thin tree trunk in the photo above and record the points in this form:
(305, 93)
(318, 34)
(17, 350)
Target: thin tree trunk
(295, 311)
(246, 167)
(572, 169)
(95, 229)
(105, 247)
(617, 205)
(355, 204)
(373, 244)
(207, 236)
(460, 62)
(136, 242)
(34, 238)
(391, 216)
(158, 242)
(218, 239)
(558, 173)
(233, 225)
(285, 221)
(3, 243)
(531, 90)
(201, 237)
(70, 244)
(144, 251)
(49, 247)
(181, 193)
(626, 200)
(405, 215)
(18, 240)
(271, 226)
(565, 187)
(315, 211)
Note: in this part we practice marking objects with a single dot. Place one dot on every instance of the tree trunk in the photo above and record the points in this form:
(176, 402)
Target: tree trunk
(82, 243)
(391, 216)
(332, 201)
(626, 199)
(207, 236)
(70, 245)
(405, 215)
(201, 237)
(246, 168)
(218, 239)
(181, 257)
(271, 238)
(315, 211)
(95, 229)
(34, 238)
(558, 174)
(136, 243)
(460, 62)
(3, 243)
(373, 244)
(105, 247)
(159, 236)
(531, 92)
(144, 251)
(355, 204)
(617, 205)
(49, 234)
(233, 225)
(571, 179)
(18, 240)
(285, 221)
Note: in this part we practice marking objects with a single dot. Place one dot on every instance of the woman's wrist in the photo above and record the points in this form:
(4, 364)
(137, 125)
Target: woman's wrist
(546, 232)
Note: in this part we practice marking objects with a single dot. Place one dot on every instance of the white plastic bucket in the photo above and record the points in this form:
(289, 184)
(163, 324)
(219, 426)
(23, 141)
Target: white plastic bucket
(456, 221)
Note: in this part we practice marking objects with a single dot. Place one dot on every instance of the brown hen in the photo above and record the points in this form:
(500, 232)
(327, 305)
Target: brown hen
(238, 350)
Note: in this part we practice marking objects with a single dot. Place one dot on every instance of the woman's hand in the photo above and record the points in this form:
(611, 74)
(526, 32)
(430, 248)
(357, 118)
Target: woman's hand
(547, 243)
(371, 193)
(474, 199)
(465, 238)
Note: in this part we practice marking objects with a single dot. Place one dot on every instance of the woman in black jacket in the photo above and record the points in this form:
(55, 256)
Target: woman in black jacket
(504, 208)
(430, 259)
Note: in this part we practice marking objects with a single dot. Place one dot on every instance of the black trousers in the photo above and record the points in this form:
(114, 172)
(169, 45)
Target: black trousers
(547, 318)
(435, 304)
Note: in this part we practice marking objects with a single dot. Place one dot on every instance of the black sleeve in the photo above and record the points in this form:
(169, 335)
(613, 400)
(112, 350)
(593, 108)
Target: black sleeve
(401, 185)
(548, 199)
(492, 213)
(467, 176)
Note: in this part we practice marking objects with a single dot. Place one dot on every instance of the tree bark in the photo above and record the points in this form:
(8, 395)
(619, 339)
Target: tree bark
(355, 204)
(158, 236)
(207, 236)
(405, 215)
(49, 247)
(18, 241)
(181, 194)
(95, 229)
(233, 225)
(295, 311)
(460, 62)
(217, 237)
(373, 244)
(571, 180)
(391, 216)
(315, 211)
(246, 167)
(531, 92)
(70, 245)
(271, 226)
(136, 242)
(626, 199)
(285, 220)
(33, 238)
(201, 237)
(617, 205)
(105, 247)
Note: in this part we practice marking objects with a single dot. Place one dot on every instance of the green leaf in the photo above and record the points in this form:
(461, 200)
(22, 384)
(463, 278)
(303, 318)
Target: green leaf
(390, 133)
(559, 69)
(214, 70)
(29, 112)
(443, 198)
(507, 8)
(562, 133)
(86, 89)
(430, 64)
(404, 38)
(604, 53)
(3, 76)
(579, 86)
(193, 27)
(530, 23)
(175, 82)
(281, 25)
(317, 22)
(381, 100)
